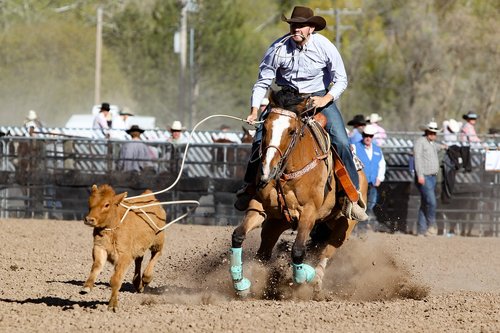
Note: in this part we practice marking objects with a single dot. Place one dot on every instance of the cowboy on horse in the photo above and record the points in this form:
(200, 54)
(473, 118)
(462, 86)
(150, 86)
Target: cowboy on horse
(309, 64)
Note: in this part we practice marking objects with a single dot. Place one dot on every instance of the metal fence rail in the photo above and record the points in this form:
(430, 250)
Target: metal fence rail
(53, 180)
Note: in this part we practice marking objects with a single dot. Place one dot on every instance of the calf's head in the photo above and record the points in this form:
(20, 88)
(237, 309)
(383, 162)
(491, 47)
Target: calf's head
(103, 207)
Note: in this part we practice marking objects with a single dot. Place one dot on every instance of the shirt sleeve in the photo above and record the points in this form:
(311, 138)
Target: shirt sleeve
(381, 169)
(418, 151)
(267, 73)
(337, 71)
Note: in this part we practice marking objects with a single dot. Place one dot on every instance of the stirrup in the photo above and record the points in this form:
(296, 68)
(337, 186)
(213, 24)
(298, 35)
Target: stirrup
(355, 211)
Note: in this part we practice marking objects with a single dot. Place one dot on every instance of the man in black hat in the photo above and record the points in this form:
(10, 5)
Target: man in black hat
(135, 155)
(311, 64)
(357, 123)
(101, 119)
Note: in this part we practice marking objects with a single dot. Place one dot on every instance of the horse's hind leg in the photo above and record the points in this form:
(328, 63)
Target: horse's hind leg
(340, 230)
(253, 219)
(271, 232)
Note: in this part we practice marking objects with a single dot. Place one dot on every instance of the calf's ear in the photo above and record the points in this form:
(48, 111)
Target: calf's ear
(94, 188)
(119, 197)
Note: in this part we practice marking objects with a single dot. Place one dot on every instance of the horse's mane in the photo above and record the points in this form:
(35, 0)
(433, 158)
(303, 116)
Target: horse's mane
(287, 99)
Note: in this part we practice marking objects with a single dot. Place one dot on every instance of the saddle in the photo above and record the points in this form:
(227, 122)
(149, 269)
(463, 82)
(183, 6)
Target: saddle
(317, 125)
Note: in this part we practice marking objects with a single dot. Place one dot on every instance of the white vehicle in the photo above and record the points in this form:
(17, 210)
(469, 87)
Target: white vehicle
(87, 120)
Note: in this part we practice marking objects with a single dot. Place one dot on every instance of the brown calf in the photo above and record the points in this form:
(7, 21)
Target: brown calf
(121, 242)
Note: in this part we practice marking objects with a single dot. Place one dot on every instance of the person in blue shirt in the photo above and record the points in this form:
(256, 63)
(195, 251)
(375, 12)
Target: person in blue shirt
(308, 63)
(357, 123)
(374, 165)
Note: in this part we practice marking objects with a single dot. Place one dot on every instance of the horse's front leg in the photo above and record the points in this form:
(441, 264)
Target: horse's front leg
(253, 219)
(302, 272)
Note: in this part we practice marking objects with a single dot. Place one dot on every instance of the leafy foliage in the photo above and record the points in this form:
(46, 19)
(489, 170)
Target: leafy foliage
(406, 60)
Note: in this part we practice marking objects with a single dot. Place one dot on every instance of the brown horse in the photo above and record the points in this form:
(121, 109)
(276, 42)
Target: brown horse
(297, 190)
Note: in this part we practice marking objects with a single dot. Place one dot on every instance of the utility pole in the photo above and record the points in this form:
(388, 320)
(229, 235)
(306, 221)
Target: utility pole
(180, 46)
(339, 27)
(98, 57)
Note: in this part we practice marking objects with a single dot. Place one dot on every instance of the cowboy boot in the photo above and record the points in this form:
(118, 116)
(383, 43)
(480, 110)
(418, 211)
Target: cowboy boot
(244, 195)
(248, 190)
(355, 210)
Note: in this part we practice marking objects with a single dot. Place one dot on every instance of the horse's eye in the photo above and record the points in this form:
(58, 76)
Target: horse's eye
(292, 131)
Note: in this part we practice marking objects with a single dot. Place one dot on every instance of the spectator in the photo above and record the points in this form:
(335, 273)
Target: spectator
(176, 133)
(358, 122)
(468, 132)
(425, 152)
(32, 120)
(122, 121)
(134, 154)
(451, 128)
(381, 136)
(374, 167)
(31, 164)
(101, 120)
(226, 135)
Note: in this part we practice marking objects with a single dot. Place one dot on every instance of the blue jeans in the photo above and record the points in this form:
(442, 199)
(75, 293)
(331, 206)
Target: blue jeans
(428, 204)
(338, 135)
(372, 198)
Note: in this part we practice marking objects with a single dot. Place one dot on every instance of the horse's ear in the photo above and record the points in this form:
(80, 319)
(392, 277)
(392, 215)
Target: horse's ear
(302, 106)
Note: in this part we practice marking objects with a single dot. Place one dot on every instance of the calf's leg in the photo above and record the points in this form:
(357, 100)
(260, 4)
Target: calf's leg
(137, 280)
(147, 277)
(117, 279)
(99, 256)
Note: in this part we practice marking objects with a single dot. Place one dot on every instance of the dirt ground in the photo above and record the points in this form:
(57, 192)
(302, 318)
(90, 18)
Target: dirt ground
(378, 283)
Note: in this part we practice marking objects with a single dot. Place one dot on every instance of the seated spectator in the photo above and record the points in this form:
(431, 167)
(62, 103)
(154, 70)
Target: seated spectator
(468, 132)
(451, 128)
(134, 154)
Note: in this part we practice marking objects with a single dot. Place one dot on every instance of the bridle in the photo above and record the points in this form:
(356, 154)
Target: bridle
(280, 167)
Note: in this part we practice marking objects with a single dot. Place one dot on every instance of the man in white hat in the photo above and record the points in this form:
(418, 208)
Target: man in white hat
(374, 166)
(307, 62)
(381, 135)
(425, 153)
(451, 128)
(176, 133)
(32, 120)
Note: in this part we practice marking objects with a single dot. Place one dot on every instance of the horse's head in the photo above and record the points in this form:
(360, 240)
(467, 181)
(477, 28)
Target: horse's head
(282, 128)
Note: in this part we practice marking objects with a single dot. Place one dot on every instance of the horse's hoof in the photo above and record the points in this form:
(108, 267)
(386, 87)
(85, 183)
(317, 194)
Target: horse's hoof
(242, 286)
(85, 290)
(303, 273)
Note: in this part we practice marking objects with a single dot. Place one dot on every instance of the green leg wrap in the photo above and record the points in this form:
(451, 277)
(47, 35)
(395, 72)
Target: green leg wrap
(303, 273)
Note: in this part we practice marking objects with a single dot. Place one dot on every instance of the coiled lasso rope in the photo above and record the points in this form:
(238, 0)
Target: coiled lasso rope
(193, 202)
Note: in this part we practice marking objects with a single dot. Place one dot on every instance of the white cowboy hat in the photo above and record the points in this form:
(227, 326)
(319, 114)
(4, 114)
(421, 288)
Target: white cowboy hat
(374, 118)
(370, 130)
(176, 126)
(31, 115)
(453, 126)
(432, 126)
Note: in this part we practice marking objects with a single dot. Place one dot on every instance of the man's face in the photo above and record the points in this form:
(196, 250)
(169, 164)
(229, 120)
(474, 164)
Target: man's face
(367, 139)
(300, 32)
(176, 134)
(431, 135)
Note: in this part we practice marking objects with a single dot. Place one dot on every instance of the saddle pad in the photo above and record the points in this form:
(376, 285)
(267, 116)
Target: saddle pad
(319, 133)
